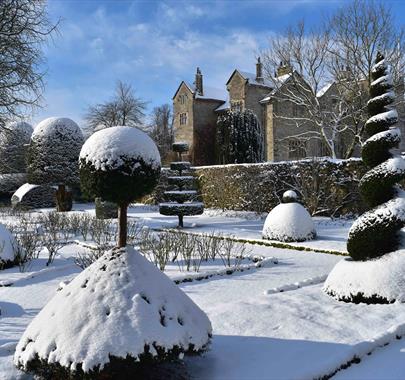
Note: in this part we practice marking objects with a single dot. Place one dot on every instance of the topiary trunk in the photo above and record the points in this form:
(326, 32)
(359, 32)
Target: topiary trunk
(376, 231)
(122, 225)
(63, 199)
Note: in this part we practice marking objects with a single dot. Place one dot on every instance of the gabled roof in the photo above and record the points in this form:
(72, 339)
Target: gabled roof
(324, 90)
(251, 78)
(279, 83)
(211, 93)
(223, 107)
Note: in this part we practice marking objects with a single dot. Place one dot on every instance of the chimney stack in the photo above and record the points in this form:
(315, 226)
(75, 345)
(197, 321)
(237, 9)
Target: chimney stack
(259, 71)
(199, 82)
(284, 68)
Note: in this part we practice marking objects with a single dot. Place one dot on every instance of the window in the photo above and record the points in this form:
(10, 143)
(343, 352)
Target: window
(183, 118)
(236, 106)
(297, 149)
(183, 98)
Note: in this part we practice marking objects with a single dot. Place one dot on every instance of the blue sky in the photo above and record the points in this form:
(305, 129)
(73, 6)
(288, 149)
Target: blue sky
(153, 45)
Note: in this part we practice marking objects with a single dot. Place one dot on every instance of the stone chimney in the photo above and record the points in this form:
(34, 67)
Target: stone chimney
(259, 71)
(283, 69)
(199, 82)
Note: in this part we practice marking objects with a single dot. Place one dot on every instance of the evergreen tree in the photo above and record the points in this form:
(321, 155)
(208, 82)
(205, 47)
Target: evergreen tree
(376, 231)
(239, 138)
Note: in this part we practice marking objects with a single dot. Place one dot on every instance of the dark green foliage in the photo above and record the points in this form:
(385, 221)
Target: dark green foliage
(180, 147)
(239, 138)
(105, 210)
(165, 366)
(123, 185)
(375, 233)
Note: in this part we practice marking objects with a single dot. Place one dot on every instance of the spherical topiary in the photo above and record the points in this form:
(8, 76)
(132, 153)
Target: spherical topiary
(53, 157)
(120, 165)
(14, 140)
(376, 231)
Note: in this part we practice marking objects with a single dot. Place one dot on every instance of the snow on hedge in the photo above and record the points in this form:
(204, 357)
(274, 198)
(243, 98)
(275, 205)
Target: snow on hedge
(120, 305)
(7, 242)
(289, 221)
(107, 149)
(382, 277)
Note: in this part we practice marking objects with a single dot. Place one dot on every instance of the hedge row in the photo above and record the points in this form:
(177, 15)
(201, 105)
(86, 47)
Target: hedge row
(326, 187)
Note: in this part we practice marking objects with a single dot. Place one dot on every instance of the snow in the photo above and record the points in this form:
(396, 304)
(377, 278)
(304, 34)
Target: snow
(107, 149)
(297, 333)
(251, 77)
(385, 80)
(53, 126)
(393, 134)
(289, 222)
(324, 89)
(209, 92)
(135, 304)
(383, 116)
(24, 189)
(383, 276)
(7, 241)
(225, 106)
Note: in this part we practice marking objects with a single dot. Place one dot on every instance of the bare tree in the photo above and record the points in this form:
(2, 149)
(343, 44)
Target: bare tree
(331, 74)
(123, 109)
(24, 28)
(161, 128)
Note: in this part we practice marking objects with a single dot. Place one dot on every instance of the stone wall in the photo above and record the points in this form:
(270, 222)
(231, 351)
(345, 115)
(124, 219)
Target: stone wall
(326, 187)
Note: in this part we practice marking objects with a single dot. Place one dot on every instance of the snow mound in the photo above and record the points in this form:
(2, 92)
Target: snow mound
(378, 280)
(120, 306)
(7, 242)
(109, 148)
(289, 222)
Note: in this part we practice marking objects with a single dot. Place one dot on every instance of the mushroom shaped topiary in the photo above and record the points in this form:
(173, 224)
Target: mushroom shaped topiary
(121, 314)
(53, 157)
(289, 221)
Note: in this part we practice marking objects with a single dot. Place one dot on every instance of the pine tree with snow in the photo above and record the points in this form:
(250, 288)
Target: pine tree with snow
(53, 157)
(121, 316)
(239, 138)
(182, 200)
(376, 232)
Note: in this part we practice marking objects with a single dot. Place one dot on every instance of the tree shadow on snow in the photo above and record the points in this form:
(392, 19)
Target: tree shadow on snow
(254, 358)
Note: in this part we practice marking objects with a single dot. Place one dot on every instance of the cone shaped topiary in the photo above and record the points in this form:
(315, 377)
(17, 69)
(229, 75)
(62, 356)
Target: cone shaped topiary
(376, 231)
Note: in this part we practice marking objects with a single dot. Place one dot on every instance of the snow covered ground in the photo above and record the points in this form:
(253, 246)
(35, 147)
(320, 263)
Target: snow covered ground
(269, 322)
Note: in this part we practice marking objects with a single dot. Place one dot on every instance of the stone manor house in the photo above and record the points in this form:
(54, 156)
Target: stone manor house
(196, 109)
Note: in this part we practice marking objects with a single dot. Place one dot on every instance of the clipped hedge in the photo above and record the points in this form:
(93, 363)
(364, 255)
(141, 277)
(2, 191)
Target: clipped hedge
(325, 186)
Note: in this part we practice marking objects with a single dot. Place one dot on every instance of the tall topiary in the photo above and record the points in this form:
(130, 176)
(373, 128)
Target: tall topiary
(14, 139)
(53, 157)
(376, 231)
(120, 165)
(182, 200)
(239, 138)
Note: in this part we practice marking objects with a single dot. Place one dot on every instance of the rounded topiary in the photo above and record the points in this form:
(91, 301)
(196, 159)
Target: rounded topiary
(14, 140)
(53, 157)
(119, 164)
(289, 221)
(180, 147)
(376, 231)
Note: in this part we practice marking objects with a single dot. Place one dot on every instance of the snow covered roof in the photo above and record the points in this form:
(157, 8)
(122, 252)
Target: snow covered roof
(251, 78)
(224, 107)
(278, 82)
(208, 93)
(324, 90)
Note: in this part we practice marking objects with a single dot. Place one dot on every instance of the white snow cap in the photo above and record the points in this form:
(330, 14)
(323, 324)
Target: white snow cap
(383, 277)
(6, 238)
(56, 125)
(290, 194)
(106, 149)
(116, 306)
(289, 222)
